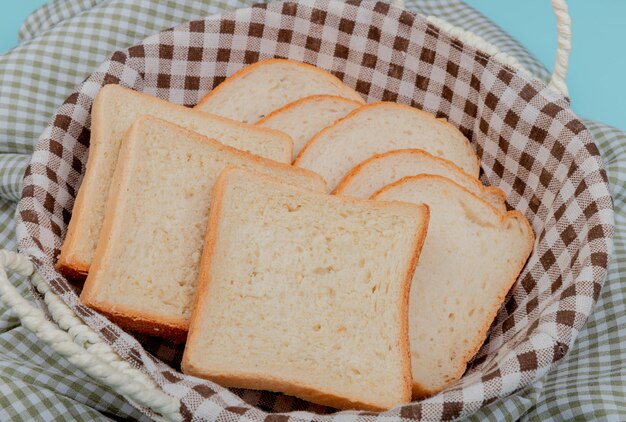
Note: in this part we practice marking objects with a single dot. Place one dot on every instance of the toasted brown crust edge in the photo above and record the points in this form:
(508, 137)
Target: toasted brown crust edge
(420, 391)
(262, 381)
(268, 383)
(72, 269)
(354, 95)
(494, 191)
(366, 107)
(305, 100)
(67, 263)
(348, 178)
(144, 323)
(408, 281)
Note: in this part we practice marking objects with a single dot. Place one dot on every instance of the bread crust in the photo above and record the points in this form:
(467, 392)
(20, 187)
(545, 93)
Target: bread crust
(304, 100)
(73, 269)
(262, 381)
(348, 178)
(493, 191)
(174, 329)
(247, 69)
(438, 121)
(278, 385)
(420, 391)
(68, 263)
(408, 280)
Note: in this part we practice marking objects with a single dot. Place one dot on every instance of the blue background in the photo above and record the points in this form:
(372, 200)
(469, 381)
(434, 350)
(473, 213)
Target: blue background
(597, 67)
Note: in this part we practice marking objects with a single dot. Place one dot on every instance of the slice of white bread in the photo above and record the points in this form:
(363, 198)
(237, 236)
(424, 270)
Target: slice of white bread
(305, 293)
(145, 267)
(378, 128)
(305, 117)
(471, 258)
(256, 90)
(381, 170)
(115, 109)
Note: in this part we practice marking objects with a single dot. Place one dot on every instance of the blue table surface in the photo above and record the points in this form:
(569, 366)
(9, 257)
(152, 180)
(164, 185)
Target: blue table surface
(596, 77)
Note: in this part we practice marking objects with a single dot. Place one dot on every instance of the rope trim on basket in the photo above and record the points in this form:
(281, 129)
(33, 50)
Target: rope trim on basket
(86, 350)
(78, 343)
(477, 42)
(564, 45)
(564, 41)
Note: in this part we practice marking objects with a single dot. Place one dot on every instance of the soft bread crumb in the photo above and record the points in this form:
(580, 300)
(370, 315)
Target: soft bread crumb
(290, 284)
(146, 264)
(471, 258)
(115, 109)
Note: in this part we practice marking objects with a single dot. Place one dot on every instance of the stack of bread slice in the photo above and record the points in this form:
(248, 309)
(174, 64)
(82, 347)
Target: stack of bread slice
(114, 111)
(153, 231)
(364, 274)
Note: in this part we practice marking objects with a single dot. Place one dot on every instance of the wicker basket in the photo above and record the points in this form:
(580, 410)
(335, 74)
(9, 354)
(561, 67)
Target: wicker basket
(530, 144)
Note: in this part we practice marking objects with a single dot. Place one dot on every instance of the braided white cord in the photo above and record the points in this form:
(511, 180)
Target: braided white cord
(84, 336)
(477, 42)
(564, 32)
(91, 355)
(564, 41)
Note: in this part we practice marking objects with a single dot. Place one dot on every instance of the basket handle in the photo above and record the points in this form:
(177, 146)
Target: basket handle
(564, 43)
(78, 343)
(564, 46)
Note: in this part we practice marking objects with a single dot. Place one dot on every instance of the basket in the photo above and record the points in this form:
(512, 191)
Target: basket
(529, 141)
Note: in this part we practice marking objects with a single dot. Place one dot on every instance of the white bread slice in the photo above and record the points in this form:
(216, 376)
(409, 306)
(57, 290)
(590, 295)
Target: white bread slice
(145, 267)
(115, 109)
(305, 117)
(381, 127)
(305, 293)
(381, 170)
(471, 258)
(256, 90)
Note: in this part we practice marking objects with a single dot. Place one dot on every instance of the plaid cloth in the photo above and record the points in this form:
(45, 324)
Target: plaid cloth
(589, 382)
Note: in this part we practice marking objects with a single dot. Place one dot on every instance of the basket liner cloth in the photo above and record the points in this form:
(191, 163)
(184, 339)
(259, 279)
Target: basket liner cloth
(529, 141)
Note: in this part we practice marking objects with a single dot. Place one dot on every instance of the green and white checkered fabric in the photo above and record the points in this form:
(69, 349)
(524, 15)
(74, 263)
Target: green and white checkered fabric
(65, 41)
(590, 383)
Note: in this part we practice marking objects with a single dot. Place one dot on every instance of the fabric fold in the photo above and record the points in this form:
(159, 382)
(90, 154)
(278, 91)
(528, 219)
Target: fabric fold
(51, 14)
(12, 167)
